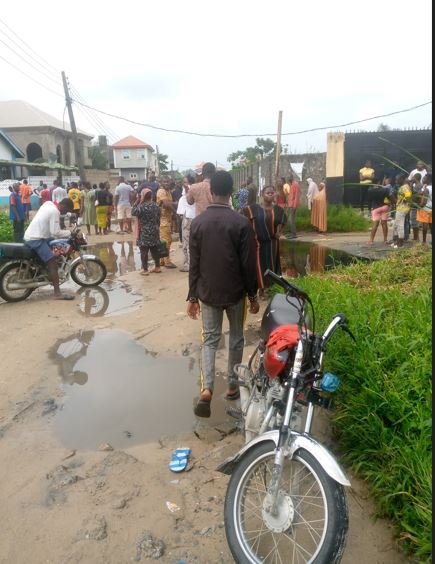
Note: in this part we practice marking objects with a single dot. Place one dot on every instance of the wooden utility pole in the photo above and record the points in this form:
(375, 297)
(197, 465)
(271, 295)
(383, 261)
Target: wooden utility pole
(278, 148)
(77, 148)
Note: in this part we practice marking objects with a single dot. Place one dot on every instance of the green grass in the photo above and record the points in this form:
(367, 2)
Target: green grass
(341, 219)
(6, 230)
(383, 417)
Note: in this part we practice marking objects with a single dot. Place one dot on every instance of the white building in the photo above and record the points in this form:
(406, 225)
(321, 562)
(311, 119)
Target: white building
(133, 158)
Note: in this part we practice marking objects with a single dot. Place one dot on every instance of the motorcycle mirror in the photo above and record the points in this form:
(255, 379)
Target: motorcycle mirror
(349, 332)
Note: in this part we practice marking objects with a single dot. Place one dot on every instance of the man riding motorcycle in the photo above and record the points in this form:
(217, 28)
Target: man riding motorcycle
(44, 227)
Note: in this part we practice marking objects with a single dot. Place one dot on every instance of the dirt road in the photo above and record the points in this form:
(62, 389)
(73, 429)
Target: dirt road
(118, 370)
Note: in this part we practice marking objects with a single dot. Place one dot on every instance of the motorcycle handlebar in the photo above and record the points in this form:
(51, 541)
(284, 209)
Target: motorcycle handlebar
(294, 290)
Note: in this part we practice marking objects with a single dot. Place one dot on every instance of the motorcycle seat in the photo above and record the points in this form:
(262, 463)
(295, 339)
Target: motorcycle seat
(279, 312)
(15, 251)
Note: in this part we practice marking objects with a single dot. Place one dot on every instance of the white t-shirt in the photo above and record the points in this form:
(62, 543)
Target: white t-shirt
(59, 194)
(123, 190)
(422, 172)
(46, 224)
(185, 209)
(428, 206)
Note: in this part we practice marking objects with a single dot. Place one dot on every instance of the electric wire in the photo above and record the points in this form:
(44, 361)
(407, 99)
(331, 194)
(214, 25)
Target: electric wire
(240, 135)
(31, 77)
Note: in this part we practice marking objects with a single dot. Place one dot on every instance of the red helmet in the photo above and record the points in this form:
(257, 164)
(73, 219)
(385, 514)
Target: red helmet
(280, 344)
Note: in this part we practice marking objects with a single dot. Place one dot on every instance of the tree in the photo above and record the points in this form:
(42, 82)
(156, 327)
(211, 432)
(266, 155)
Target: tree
(263, 147)
(98, 158)
(384, 127)
(163, 162)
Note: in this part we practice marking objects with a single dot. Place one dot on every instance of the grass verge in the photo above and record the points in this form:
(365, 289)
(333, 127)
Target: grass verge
(341, 219)
(6, 229)
(383, 417)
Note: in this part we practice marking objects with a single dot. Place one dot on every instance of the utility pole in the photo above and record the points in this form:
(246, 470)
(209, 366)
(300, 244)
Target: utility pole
(77, 149)
(278, 148)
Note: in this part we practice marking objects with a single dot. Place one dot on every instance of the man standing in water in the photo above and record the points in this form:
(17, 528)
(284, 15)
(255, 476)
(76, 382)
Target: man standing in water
(222, 274)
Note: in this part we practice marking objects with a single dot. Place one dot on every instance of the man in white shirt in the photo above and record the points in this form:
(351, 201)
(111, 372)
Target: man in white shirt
(188, 211)
(420, 168)
(59, 193)
(44, 227)
(124, 194)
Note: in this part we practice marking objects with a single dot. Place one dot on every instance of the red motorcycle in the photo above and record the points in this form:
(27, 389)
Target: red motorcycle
(286, 500)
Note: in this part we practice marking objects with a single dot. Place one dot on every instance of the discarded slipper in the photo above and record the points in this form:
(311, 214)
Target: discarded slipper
(202, 408)
(234, 396)
(179, 459)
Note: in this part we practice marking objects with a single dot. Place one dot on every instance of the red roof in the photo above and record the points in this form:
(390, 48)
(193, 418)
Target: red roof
(131, 142)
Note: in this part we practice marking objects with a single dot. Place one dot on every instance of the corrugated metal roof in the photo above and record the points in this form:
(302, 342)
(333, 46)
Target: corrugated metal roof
(18, 113)
(131, 142)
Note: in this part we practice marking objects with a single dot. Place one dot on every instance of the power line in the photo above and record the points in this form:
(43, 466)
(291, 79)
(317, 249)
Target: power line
(31, 77)
(94, 117)
(49, 67)
(197, 134)
(30, 64)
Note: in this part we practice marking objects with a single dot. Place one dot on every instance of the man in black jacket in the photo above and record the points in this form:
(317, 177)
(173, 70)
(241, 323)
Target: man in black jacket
(222, 273)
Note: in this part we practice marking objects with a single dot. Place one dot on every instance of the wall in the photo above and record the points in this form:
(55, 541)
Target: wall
(133, 162)
(95, 176)
(314, 166)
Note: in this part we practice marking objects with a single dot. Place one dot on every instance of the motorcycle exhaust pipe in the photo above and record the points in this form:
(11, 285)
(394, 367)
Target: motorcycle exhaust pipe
(24, 285)
(243, 374)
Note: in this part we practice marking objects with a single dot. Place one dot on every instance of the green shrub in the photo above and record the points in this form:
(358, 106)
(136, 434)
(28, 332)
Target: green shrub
(383, 416)
(341, 219)
(6, 230)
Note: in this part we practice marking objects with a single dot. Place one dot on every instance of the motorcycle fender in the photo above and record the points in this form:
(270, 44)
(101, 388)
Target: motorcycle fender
(320, 453)
(83, 258)
(297, 441)
(229, 463)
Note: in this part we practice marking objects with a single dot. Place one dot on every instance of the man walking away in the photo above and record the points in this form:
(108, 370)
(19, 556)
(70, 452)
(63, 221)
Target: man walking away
(200, 194)
(26, 193)
(44, 227)
(187, 213)
(124, 194)
(17, 213)
(293, 191)
(222, 273)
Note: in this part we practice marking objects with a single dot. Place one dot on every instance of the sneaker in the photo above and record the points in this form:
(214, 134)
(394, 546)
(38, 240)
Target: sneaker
(184, 268)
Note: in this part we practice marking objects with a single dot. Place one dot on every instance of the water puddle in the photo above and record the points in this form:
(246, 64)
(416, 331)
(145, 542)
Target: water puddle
(117, 392)
(302, 259)
(119, 257)
(112, 297)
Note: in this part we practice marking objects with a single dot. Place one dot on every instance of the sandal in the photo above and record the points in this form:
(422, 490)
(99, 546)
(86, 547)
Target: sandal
(179, 459)
(232, 394)
(202, 408)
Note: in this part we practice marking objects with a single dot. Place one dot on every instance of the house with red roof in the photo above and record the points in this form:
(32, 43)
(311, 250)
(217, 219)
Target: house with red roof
(133, 158)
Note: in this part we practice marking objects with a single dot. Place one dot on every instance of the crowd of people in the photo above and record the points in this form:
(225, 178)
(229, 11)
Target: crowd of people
(404, 199)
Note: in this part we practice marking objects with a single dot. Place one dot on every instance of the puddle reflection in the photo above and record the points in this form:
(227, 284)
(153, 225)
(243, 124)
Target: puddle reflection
(116, 392)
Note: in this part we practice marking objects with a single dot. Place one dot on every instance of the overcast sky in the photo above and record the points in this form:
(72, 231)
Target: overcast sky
(224, 67)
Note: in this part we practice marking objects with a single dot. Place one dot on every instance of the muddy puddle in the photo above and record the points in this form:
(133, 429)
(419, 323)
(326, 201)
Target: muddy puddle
(302, 259)
(119, 393)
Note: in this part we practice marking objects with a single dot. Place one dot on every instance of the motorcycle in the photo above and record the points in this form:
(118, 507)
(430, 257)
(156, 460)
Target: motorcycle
(21, 271)
(286, 500)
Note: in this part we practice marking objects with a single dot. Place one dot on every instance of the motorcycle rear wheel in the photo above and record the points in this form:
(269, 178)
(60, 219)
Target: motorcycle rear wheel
(9, 274)
(312, 520)
(90, 272)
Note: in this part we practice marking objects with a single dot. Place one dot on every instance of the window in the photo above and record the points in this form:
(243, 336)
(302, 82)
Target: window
(126, 155)
(133, 176)
(140, 154)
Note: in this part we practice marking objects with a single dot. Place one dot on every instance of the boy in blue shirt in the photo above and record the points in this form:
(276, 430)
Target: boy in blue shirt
(17, 213)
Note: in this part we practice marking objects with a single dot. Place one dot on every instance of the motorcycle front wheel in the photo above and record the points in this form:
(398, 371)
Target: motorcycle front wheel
(10, 274)
(90, 272)
(311, 522)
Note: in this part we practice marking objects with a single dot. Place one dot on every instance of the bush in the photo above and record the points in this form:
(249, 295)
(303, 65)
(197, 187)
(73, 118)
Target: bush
(6, 230)
(341, 219)
(383, 417)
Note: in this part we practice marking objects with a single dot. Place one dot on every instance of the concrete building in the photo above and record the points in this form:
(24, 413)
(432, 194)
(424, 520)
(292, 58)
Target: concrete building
(40, 136)
(133, 158)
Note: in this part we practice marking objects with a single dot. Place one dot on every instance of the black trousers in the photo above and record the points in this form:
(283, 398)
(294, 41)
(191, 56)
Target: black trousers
(18, 231)
(144, 256)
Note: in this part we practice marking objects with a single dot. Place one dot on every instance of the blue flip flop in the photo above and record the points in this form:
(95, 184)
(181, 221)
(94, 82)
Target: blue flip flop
(179, 459)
